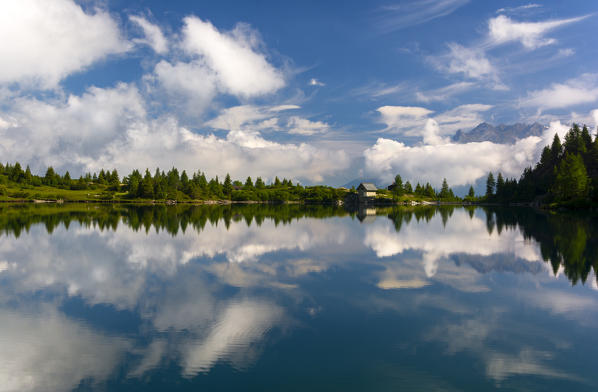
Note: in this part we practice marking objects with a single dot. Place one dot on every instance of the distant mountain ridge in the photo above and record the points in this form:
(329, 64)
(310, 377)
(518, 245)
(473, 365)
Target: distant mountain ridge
(503, 134)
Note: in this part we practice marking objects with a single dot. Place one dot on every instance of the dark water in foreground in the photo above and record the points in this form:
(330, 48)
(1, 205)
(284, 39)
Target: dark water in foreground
(290, 298)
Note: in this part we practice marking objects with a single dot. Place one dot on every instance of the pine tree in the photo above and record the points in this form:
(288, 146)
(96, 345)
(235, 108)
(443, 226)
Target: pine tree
(17, 175)
(214, 188)
(398, 185)
(147, 186)
(184, 179)
(114, 178)
(248, 183)
(50, 177)
(429, 191)
(571, 178)
(66, 180)
(471, 193)
(574, 143)
(28, 175)
(202, 182)
(227, 186)
(418, 189)
(173, 179)
(102, 177)
(444, 190)
(490, 184)
(556, 148)
(586, 138)
(546, 157)
(500, 186)
(132, 182)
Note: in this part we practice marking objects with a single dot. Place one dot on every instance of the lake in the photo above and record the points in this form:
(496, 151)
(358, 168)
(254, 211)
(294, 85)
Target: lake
(296, 298)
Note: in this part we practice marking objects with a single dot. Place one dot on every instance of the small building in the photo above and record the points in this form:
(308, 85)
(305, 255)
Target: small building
(366, 215)
(366, 189)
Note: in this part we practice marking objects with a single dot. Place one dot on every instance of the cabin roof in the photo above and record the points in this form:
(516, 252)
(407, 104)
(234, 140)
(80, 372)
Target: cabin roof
(368, 186)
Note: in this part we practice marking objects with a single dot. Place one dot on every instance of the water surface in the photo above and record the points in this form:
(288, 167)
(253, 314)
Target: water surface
(296, 298)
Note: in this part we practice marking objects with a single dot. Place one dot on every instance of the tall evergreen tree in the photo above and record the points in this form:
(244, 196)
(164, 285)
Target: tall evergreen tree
(429, 191)
(546, 157)
(227, 186)
(500, 186)
(571, 178)
(66, 180)
(133, 182)
(17, 174)
(398, 185)
(114, 178)
(556, 148)
(574, 143)
(490, 184)
(184, 179)
(444, 190)
(102, 177)
(28, 175)
(471, 193)
(418, 189)
(50, 177)
(147, 186)
(586, 138)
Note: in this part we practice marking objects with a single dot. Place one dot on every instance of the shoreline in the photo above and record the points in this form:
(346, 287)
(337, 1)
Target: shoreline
(230, 202)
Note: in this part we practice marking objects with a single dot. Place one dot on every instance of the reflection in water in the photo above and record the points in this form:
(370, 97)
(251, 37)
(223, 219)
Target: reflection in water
(96, 295)
(49, 352)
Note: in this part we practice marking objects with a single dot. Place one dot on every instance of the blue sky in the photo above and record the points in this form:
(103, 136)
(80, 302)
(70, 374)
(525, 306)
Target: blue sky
(314, 91)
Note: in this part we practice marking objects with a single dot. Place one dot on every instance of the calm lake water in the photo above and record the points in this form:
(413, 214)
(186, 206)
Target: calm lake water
(292, 298)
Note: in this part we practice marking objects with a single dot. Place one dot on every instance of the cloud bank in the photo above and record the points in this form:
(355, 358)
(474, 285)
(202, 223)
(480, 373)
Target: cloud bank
(111, 128)
(460, 164)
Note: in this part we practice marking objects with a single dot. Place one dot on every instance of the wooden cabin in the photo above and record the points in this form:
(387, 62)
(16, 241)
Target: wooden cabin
(366, 189)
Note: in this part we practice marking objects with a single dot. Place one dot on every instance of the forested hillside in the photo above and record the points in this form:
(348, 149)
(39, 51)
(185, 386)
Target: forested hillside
(567, 173)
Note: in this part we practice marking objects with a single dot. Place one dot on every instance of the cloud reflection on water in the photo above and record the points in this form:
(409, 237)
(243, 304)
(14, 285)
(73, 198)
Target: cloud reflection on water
(213, 296)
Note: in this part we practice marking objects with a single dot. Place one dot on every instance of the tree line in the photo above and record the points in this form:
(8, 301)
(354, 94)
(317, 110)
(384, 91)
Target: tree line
(171, 185)
(567, 174)
(399, 189)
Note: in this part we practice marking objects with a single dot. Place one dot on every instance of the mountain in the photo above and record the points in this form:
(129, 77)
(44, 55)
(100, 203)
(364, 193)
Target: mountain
(504, 134)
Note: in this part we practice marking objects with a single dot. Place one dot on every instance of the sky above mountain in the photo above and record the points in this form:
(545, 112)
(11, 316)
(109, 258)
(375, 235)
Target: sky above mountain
(320, 92)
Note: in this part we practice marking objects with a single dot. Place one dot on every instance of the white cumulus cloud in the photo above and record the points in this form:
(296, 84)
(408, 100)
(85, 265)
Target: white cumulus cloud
(460, 164)
(216, 63)
(153, 35)
(303, 126)
(241, 68)
(111, 128)
(249, 117)
(403, 118)
(415, 120)
(576, 91)
(45, 41)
